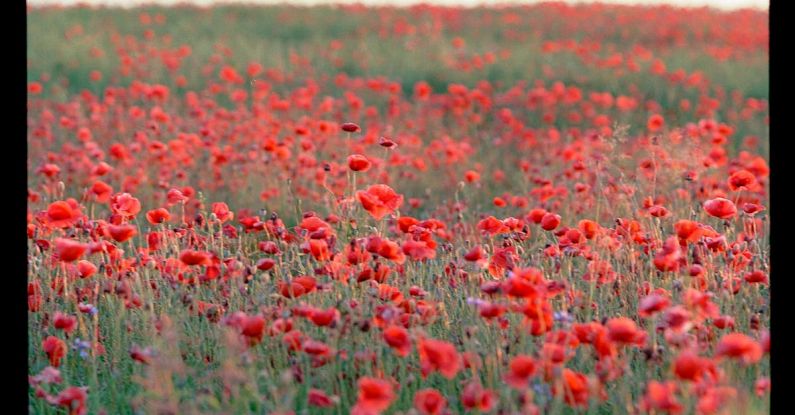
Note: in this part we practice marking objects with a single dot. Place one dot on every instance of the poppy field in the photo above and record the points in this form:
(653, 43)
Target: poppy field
(546, 209)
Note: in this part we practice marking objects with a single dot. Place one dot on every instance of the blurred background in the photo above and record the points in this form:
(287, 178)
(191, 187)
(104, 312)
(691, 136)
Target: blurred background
(722, 4)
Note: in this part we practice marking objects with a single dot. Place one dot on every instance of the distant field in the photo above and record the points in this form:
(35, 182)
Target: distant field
(533, 209)
(720, 4)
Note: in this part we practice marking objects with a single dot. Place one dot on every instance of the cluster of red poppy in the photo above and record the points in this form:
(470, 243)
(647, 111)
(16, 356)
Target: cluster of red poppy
(272, 241)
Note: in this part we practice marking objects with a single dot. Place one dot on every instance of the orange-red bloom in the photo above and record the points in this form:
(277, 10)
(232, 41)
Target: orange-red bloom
(298, 287)
(358, 162)
(73, 399)
(398, 339)
(438, 355)
(690, 366)
(64, 322)
(475, 397)
(123, 232)
(623, 330)
(492, 226)
(739, 346)
(550, 221)
(69, 250)
(319, 398)
(62, 214)
(720, 208)
(742, 179)
(375, 396)
(379, 200)
(429, 402)
(125, 204)
(190, 257)
(661, 397)
(574, 388)
(655, 123)
(55, 349)
(350, 127)
(158, 215)
(522, 368)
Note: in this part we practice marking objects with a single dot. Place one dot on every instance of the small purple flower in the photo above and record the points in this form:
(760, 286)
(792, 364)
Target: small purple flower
(563, 317)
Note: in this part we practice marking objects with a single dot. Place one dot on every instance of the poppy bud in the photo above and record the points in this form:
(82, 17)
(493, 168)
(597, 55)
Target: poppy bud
(358, 162)
(350, 127)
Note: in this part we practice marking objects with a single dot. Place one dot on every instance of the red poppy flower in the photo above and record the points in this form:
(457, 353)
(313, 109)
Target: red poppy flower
(69, 250)
(438, 355)
(158, 215)
(471, 176)
(253, 327)
(123, 232)
(687, 230)
(297, 287)
(55, 349)
(64, 322)
(502, 259)
(714, 398)
(429, 402)
(762, 386)
(689, 366)
(316, 228)
(550, 221)
(655, 123)
(190, 257)
(398, 339)
(322, 318)
(101, 191)
(418, 250)
(316, 348)
(492, 226)
(34, 88)
(670, 257)
(319, 249)
(73, 399)
(379, 200)
(375, 396)
(35, 299)
(588, 228)
(387, 249)
(350, 127)
(141, 355)
(661, 397)
(265, 264)
(739, 346)
(522, 368)
(125, 204)
(741, 179)
(475, 254)
(319, 398)
(623, 330)
(536, 215)
(652, 304)
(386, 142)
(752, 208)
(524, 284)
(175, 196)
(62, 214)
(222, 212)
(86, 269)
(475, 397)
(48, 375)
(720, 208)
(268, 247)
(755, 277)
(358, 162)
